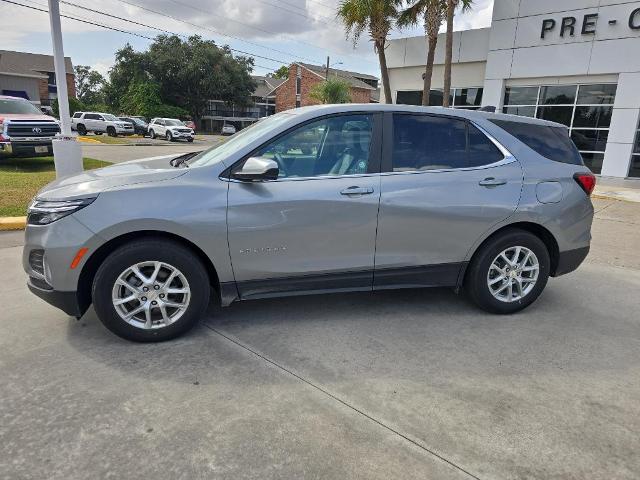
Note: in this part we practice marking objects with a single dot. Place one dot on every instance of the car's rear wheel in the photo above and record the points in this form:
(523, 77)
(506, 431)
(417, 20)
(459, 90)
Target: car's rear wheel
(150, 290)
(509, 272)
(82, 130)
(111, 132)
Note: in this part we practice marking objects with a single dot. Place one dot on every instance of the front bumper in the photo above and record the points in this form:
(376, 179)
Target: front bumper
(26, 148)
(185, 135)
(65, 301)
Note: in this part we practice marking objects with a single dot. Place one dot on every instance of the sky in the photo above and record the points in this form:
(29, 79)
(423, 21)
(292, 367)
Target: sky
(275, 32)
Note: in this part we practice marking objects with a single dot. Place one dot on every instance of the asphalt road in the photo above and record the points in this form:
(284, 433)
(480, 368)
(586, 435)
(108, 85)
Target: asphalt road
(409, 384)
(124, 153)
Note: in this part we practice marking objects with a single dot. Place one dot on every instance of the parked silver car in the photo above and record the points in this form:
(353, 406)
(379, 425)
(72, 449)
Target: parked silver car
(318, 199)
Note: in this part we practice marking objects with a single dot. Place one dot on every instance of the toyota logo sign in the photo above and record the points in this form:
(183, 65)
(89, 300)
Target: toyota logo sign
(36, 130)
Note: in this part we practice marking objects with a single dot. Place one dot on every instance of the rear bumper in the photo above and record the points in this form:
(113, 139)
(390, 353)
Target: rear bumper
(65, 301)
(570, 260)
(25, 149)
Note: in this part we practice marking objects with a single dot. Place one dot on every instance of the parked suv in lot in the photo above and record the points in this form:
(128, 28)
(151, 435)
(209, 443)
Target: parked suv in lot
(100, 123)
(171, 129)
(24, 130)
(320, 199)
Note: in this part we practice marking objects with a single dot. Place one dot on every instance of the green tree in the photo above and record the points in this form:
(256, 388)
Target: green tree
(452, 5)
(377, 17)
(192, 72)
(332, 90)
(89, 84)
(282, 72)
(432, 13)
(75, 105)
(143, 98)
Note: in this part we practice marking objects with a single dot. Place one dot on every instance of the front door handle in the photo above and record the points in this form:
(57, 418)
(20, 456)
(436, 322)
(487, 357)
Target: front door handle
(492, 182)
(357, 191)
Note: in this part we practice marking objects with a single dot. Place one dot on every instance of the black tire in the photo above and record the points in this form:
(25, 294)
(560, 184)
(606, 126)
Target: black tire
(150, 249)
(152, 134)
(111, 132)
(476, 284)
(82, 130)
(190, 140)
(169, 137)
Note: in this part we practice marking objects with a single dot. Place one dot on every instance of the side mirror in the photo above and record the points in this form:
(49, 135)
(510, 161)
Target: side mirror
(257, 169)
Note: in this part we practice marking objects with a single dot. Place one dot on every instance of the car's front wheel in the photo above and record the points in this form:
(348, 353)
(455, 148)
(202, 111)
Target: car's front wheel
(509, 272)
(150, 290)
(112, 132)
(169, 137)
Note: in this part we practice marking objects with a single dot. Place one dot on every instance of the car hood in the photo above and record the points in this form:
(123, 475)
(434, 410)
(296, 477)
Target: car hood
(26, 116)
(92, 182)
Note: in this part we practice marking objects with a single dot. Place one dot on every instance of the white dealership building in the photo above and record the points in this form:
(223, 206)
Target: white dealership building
(575, 62)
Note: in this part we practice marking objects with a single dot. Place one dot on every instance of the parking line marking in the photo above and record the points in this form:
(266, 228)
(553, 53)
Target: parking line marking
(343, 402)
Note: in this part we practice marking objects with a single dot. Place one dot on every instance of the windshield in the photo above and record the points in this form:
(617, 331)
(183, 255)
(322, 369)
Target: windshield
(18, 107)
(239, 140)
(174, 123)
(109, 118)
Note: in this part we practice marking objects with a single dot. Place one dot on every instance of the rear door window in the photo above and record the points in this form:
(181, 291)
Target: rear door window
(550, 142)
(429, 142)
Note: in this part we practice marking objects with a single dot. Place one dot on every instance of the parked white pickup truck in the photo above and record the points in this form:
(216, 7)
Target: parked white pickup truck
(24, 130)
(100, 123)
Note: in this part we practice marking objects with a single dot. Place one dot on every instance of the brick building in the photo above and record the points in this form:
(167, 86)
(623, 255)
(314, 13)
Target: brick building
(32, 76)
(294, 92)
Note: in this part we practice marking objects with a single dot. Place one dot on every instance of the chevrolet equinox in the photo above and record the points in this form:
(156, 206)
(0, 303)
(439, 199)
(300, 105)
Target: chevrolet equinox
(321, 199)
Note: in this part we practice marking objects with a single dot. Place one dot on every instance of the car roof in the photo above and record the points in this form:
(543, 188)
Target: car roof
(394, 108)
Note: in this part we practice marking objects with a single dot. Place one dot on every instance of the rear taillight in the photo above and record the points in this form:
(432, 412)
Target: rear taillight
(587, 182)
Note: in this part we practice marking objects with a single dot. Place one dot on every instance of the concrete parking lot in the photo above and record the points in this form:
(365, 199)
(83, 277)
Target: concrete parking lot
(406, 384)
(146, 147)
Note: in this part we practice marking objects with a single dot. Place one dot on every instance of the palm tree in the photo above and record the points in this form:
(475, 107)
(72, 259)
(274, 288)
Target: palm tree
(451, 8)
(432, 11)
(376, 16)
(332, 90)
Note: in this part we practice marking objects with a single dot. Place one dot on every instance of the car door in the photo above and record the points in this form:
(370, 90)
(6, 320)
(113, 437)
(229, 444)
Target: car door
(313, 229)
(90, 121)
(444, 184)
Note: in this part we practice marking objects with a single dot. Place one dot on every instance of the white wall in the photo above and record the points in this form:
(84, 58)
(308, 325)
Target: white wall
(518, 55)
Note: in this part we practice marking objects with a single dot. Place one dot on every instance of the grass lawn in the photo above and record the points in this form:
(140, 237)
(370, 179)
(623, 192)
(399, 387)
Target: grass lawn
(21, 178)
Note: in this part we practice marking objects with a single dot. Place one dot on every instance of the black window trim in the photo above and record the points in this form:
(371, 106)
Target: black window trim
(375, 149)
(387, 156)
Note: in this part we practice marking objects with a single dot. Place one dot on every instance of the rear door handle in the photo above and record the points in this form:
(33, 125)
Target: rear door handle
(357, 191)
(492, 182)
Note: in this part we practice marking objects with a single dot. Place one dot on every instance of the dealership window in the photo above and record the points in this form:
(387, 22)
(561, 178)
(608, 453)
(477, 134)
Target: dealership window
(634, 170)
(585, 109)
(465, 98)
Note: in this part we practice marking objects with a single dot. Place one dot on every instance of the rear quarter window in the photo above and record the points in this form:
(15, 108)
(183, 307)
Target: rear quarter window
(550, 142)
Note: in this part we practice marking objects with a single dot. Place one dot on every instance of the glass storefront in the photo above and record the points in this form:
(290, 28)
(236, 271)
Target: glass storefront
(585, 109)
(634, 169)
(466, 98)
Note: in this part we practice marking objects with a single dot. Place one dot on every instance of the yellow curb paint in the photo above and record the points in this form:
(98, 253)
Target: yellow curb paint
(12, 223)
(87, 140)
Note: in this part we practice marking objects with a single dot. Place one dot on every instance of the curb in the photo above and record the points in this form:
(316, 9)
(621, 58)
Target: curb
(12, 223)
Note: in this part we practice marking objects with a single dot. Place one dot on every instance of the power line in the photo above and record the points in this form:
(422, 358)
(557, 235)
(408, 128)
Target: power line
(89, 22)
(78, 19)
(217, 32)
(82, 7)
(269, 32)
(293, 11)
(298, 7)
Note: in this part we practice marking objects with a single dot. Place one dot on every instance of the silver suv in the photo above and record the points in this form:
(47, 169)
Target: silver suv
(321, 199)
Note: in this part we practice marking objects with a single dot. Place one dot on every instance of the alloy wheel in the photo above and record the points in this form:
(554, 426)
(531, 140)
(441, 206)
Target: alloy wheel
(513, 274)
(151, 295)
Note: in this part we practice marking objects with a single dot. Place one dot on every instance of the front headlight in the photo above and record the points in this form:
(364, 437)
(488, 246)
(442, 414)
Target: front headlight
(44, 212)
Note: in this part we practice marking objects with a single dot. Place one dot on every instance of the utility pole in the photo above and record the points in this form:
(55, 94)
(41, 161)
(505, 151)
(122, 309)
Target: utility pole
(67, 153)
(326, 72)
